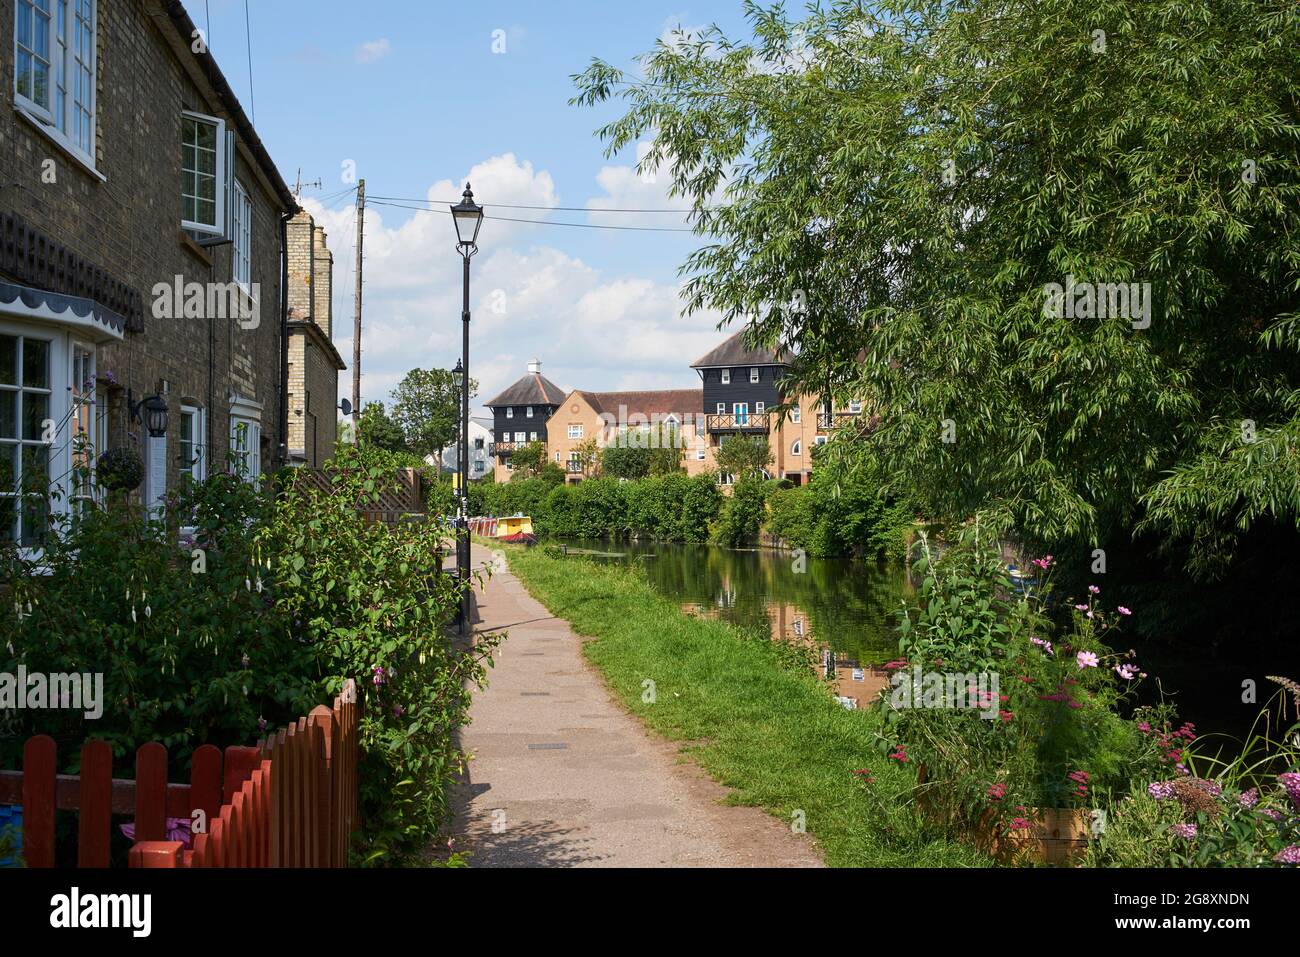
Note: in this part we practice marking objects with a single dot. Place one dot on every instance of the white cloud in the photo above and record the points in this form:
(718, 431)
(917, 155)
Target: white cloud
(373, 50)
(529, 300)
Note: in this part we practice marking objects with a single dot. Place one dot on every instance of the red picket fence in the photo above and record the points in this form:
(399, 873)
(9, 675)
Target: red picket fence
(289, 802)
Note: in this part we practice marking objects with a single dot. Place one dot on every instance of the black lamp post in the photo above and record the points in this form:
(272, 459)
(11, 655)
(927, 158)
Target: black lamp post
(152, 411)
(468, 217)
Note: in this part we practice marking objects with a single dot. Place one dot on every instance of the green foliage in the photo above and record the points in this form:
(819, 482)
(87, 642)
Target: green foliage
(831, 516)
(1048, 734)
(889, 188)
(194, 648)
(742, 514)
(427, 407)
(743, 456)
(376, 429)
(369, 598)
(528, 461)
(671, 508)
(275, 599)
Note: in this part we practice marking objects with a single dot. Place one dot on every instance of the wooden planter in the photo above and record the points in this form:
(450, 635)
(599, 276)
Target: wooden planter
(1056, 836)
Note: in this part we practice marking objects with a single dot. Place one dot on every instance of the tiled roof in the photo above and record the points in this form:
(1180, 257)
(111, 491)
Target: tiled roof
(647, 403)
(532, 389)
(734, 352)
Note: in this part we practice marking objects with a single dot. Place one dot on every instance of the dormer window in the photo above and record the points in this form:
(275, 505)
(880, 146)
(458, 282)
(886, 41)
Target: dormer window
(528, 412)
(726, 377)
(510, 412)
(753, 375)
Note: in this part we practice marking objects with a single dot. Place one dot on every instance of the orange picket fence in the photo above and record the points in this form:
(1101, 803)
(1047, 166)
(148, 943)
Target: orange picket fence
(289, 802)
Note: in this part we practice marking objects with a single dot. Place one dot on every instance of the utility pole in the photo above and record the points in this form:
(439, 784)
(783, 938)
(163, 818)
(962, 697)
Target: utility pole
(356, 321)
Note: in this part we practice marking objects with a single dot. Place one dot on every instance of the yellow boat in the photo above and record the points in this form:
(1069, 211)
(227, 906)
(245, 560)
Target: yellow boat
(511, 528)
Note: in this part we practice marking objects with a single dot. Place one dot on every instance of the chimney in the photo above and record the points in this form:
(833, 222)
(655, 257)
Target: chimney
(322, 281)
(298, 235)
(535, 367)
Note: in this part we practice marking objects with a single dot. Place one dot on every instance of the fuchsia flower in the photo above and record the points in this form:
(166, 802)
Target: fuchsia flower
(1086, 659)
(379, 675)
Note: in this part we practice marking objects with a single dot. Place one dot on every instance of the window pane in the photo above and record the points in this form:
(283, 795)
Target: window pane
(25, 24)
(8, 519)
(36, 522)
(36, 409)
(8, 468)
(8, 414)
(8, 360)
(36, 364)
(36, 468)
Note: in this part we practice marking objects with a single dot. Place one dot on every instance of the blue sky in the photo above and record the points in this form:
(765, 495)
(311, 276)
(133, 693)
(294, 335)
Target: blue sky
(414, 95)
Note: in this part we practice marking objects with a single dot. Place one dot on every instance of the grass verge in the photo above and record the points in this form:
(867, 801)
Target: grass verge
(749, 717)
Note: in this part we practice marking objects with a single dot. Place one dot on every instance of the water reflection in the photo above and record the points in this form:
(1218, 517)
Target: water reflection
(852, 609)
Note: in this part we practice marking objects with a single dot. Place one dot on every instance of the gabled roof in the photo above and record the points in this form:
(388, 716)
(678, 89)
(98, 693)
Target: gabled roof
(734, 352)
(647, 402)
(532, 388)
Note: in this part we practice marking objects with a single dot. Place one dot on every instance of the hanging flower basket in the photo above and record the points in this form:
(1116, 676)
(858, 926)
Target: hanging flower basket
(120, 470)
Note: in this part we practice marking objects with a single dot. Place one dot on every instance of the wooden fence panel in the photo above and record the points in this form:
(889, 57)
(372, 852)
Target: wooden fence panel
(151, 792)
(95, 821)
(39, 763)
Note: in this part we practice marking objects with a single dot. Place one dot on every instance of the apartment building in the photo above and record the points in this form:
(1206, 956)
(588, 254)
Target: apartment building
(639, 416)
(519, 416)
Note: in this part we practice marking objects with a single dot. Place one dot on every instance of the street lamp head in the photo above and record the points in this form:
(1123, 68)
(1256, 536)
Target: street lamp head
(459, 368)
(468, 217)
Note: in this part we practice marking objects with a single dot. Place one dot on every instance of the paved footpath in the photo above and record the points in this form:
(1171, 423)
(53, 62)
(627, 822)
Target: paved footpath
(560, 775)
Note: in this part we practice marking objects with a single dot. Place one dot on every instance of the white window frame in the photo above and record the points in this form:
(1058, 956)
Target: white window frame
(819, 440)
(855, 407)
(575, 431)
(62, 59)
(58, 409)
(726, 377)
(510, 412)
(521, 437)
(198, 468)
(241, 234)
(760, 408)
(246, 448)
(740, 413)
(532, 436)
(722, 408)
(795, 414)
(528, 412)
(753, 374)
(218, 228)
(797, 447)
(699, 455)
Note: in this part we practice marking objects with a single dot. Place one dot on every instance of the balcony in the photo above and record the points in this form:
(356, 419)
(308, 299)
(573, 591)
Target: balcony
(575, 468)
(746, 422)
(505, 449)
(825, 421)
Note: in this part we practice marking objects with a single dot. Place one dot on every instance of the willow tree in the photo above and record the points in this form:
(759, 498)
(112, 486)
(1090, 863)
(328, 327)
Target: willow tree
(1056, 242)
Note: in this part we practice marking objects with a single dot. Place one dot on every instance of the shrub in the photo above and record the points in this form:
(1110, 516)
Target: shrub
(742, 514)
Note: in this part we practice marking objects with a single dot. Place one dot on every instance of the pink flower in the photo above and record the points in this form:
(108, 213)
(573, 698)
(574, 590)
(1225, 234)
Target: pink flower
(1248, 799)
(1081, 607)
(1291, 782)
(899, 755)
(1093, 589)
(1086, 659)
(1186, 831)
(1127, 672)
(997, 792)
(1288, 855)
(1123, 611)
(1019, 824)
(1043, 562)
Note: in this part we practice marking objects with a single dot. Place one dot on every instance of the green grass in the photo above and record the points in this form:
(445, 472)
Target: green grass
(755, 722)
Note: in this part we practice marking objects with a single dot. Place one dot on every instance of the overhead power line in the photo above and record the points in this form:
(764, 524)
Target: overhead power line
(565, 209)
(541, 222)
